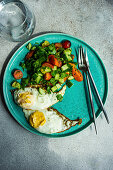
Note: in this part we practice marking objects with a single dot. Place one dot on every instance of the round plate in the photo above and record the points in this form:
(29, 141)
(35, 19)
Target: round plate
(75, 102)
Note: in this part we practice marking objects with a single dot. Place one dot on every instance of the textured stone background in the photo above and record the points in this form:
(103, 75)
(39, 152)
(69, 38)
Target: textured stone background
(91, 21)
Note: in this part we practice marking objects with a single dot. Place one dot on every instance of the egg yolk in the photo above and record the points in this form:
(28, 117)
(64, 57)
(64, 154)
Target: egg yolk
(24, 97)
(36, 119)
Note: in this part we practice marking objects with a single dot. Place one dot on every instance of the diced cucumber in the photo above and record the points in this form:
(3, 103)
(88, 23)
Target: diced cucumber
(70, 78)
(38, 79)
(29, 46)
(64, 67)
(41, 91)
(33, 48)
(45, 70)
(67, 51)
(53, 81)
(54, 88)
(45, 43)
(58, 86)
(69, 83)
(57, 76)
(53, 73)
(55, 68)
(59, 97)
(39, 74)
(48, 89)
(61, 80)
(69, 58)
(63, 75)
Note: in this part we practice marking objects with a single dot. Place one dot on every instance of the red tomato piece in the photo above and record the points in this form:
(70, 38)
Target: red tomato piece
(18, 74)
(30, 54)
(53, 60)
(66, 44)
(47, 64)
(47, 76)
(77, 74)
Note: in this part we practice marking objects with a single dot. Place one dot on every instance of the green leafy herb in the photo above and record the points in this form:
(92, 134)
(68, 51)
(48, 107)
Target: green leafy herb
(23, 65)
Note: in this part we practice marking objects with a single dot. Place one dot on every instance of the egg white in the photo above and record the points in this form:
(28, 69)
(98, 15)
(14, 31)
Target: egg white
(36, 100)
(55, 121)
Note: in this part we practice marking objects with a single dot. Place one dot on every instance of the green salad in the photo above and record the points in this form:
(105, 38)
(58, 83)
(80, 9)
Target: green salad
(48, 66)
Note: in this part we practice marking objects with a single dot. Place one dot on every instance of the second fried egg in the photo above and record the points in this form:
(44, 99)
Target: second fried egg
(49, 120)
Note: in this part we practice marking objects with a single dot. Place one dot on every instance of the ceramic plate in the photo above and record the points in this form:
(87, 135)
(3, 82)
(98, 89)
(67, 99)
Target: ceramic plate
(75, 102)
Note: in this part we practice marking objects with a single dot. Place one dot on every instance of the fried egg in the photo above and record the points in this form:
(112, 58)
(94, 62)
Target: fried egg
(49, 120)
(30, 98)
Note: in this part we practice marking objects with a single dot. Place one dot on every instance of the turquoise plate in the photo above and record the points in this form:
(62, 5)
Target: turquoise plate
(75, 102)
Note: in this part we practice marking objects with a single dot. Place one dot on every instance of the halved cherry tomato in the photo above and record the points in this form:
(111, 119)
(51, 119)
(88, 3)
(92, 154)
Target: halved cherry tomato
(30, 54)
(77, 74)
(58, 63)
(18, 74)
(58, 45)
(53, 60)
(46, 64)
(65, 78)
(66, 44)
(47, 76)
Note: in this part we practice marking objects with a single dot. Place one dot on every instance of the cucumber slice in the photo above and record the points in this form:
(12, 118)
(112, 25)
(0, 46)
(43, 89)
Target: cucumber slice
(64, 67)
(41, 91)
(54, 88)
(70, 78)
(57, 76)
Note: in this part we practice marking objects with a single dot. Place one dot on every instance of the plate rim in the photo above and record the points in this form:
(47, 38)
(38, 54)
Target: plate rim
(98, 111)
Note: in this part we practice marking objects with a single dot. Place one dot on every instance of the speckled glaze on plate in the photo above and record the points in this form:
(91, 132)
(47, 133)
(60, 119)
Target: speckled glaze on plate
(75, 102)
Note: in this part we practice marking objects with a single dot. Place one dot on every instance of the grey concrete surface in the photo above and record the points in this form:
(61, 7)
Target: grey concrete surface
(91, 21)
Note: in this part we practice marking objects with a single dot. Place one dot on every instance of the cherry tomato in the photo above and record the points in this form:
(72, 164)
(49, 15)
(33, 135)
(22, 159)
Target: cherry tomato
(18, 74)
(46, 64)
(66, 44)
(77, 74)
(53, 60)
(47, 76)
